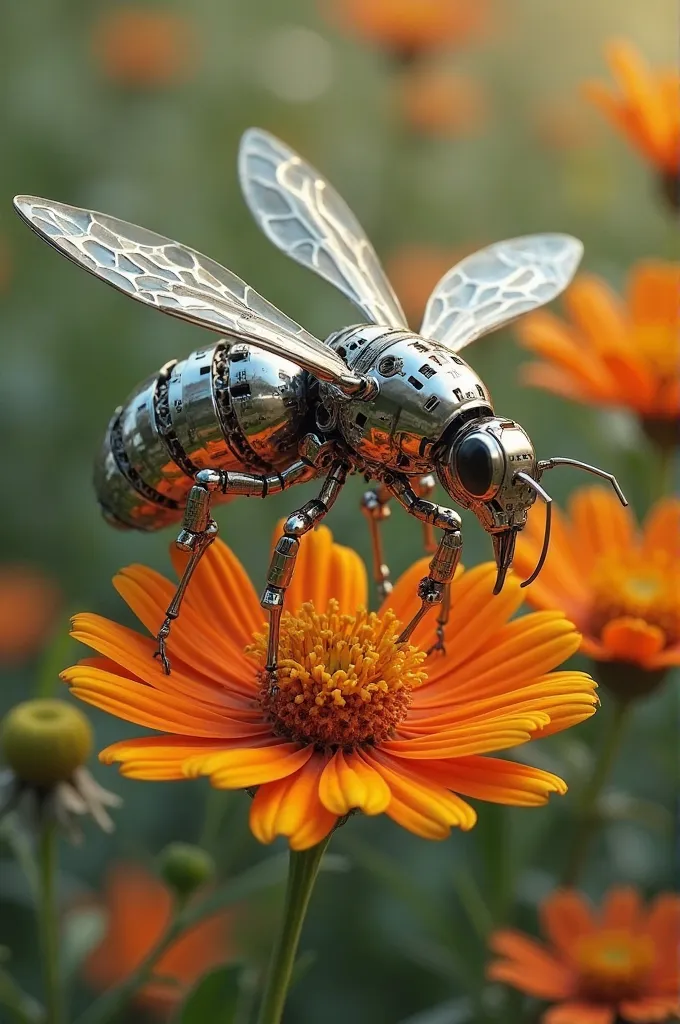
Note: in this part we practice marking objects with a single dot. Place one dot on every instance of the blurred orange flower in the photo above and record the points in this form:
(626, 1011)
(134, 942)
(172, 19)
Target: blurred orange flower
(620, 964)
(614, 352)
(143, 47)
(414, 270)
(439, 102)
(409, 27)
(645, 108)
(139, 908)
(616, 582)
(29, 603)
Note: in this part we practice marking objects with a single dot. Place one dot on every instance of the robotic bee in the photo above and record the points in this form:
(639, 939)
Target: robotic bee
(269, 405)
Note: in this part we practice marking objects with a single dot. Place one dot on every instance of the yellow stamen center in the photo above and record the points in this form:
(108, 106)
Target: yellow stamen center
(636, 586)
(614, 964)
(660, 344)
(342, 680)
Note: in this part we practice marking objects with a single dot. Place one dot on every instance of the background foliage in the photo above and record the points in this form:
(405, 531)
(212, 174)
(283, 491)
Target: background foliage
(403, 928)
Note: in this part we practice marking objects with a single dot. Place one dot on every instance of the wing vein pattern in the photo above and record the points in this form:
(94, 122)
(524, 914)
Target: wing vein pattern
(496, 285)
(178, 280)
(302, 214)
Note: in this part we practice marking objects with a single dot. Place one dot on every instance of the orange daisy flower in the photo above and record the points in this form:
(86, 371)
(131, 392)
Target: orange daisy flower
(645, 108)
(142, 47)
(618, 583)
(139, 908)
(440, 102)
(29, 605)
(357, 720)
(614, 352)
(409, 27)
(620, 964)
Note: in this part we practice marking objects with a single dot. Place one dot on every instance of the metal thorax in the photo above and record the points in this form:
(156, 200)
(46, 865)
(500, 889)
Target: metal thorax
(269, 405)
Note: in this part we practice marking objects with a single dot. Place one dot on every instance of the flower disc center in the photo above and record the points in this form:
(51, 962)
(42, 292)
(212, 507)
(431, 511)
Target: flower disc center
(636, 587)
(614, 964)
(342, 680)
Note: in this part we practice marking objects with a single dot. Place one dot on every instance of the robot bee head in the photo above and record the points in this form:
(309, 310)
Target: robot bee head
(487, 468)
(490, 467)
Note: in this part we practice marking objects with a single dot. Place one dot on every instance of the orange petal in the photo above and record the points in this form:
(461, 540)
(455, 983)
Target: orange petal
(661, 530)
(598, 313)
(561, 585)
(231, 683)
(561, 346)
(579, 1013)
(221, 593)
(159, 758)
(622, 908)
(348, 781)
(326, 570)
(404, 600)
(195, 638)
(143, 705)
(663, 921)
(600, 525)
(566, 917)
(245, 767)
(639, 89)
(567, 384)
(419, 804)
(497, 781)
(528, 966)
(653, 289)
(650, 1010)
(633, 640)
(521, 651)
(291, 807)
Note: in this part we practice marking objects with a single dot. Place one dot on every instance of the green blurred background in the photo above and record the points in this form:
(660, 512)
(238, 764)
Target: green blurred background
(401, 930)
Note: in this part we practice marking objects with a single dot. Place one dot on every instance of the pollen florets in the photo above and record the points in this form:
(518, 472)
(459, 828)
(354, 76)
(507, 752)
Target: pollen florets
(342, 680)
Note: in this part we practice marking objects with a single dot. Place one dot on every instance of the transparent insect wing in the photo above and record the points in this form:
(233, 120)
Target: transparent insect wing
(496, 285)
(177, 280)
(302, 214)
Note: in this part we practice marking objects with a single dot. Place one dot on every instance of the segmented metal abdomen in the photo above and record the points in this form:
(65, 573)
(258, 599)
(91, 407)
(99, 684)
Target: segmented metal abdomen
(230, 406)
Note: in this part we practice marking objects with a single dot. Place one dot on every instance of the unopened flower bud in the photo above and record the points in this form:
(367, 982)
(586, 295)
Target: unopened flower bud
(44, 741)
(185, 868)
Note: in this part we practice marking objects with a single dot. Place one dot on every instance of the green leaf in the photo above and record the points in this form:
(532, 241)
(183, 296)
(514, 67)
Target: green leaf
(215, 998)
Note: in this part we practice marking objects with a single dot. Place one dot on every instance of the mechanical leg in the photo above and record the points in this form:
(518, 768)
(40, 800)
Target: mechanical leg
(374, 506)
(424, 488)
(282, 565)
(199, 529)
(433, 589)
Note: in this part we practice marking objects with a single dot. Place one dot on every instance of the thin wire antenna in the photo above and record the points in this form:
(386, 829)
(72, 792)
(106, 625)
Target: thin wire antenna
(551, 463)
(542, 493)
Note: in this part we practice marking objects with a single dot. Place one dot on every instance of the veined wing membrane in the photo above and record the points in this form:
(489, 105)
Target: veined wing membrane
(496, 285)
(179, 281)
(302, 214)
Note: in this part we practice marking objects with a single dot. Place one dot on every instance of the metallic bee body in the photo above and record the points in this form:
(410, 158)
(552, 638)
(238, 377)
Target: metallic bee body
(269, 405)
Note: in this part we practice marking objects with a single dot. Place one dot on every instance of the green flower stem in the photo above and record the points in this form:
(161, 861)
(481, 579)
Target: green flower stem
(663, 486)
(302, 871)
(588, 818)
(48, 920)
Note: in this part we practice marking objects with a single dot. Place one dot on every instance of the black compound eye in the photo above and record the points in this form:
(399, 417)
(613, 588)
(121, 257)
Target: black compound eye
(476, 460)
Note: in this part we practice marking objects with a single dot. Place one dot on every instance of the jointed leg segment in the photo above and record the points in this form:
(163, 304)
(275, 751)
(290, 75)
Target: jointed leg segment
(433, 589)
(282, 564)
(199, 529)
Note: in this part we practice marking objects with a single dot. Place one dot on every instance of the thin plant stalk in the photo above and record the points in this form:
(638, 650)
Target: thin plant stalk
(48, 920)
(587, 823)
(302, 871)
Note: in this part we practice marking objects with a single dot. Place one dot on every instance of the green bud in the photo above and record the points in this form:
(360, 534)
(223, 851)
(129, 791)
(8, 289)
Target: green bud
(185, 868)
(44, 741)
